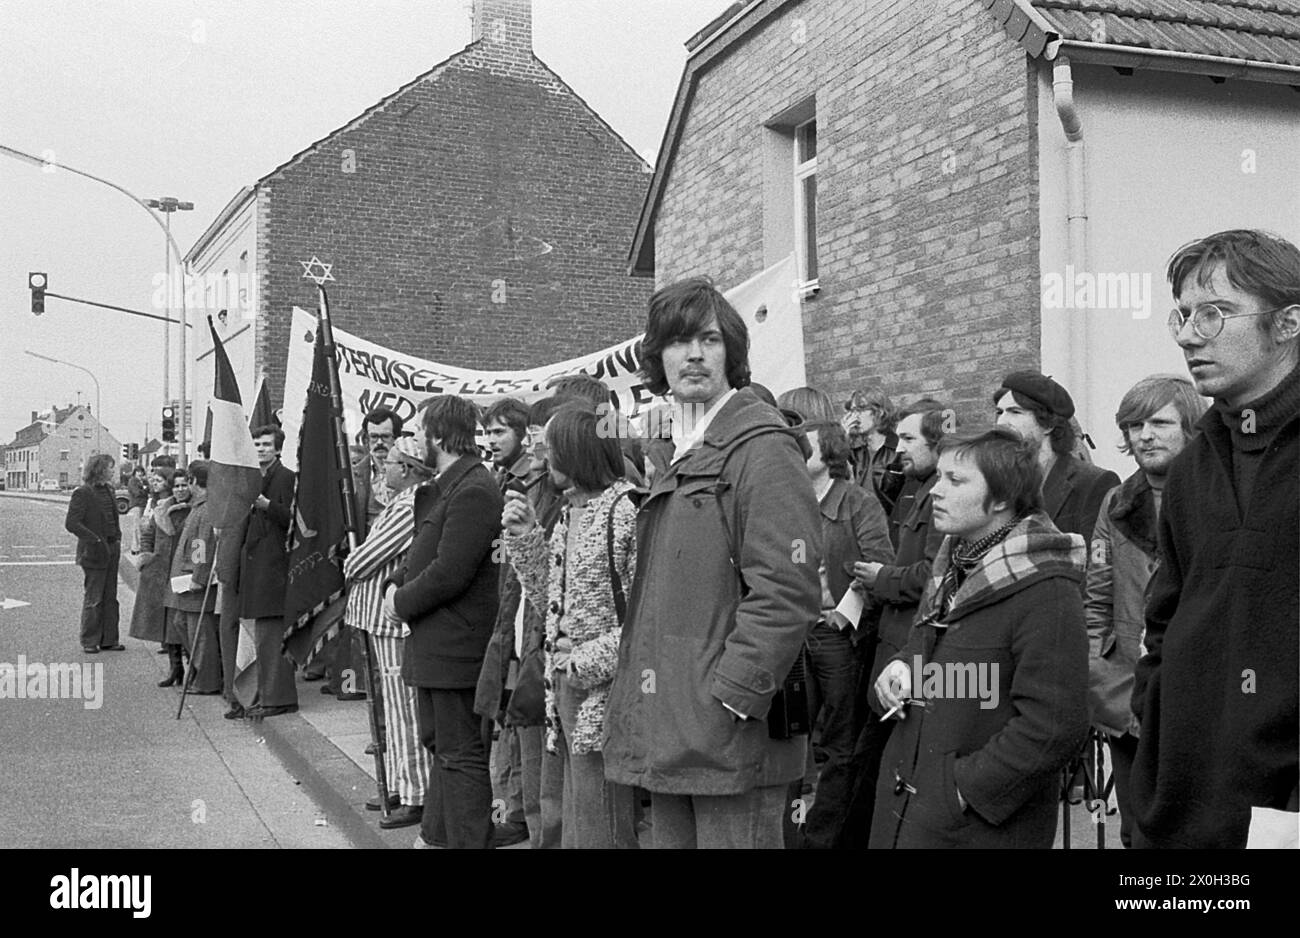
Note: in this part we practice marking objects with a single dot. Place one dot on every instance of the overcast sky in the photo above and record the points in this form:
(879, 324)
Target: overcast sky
(197, 98)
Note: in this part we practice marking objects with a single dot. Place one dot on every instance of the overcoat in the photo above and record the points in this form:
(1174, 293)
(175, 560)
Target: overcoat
(447, 589)
(726, 588)
(93, 527)
(1010, 661)
(1072, 494)
(1121, 560)
(193, 555)
(159, 530)
(264, 565)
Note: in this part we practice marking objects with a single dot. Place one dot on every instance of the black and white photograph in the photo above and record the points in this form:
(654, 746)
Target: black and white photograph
(823, 425)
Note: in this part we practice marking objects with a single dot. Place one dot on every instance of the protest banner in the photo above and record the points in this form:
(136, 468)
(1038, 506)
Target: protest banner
(372, 375)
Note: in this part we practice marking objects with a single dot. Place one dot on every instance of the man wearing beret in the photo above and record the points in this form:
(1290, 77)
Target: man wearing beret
(1039, 409)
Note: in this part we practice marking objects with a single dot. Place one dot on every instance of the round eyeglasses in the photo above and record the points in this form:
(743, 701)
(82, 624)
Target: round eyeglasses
(1207, 320)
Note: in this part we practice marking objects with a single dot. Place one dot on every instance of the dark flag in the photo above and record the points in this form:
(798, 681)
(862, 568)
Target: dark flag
(263, 415)
(314, 600)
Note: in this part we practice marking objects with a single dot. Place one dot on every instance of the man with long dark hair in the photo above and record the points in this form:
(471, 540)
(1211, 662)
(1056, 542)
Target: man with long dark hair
(726, 588)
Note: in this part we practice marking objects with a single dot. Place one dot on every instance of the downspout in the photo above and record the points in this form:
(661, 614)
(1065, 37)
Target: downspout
(1076, 227)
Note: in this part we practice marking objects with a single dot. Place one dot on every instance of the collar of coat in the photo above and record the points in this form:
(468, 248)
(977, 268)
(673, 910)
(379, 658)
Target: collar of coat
(743, 417)
(833, 499)
(163, 512)
(1034, 550)
(1133, 511)
(450, 477)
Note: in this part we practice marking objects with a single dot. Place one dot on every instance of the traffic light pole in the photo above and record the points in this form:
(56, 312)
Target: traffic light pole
(143, 203)
(120, 309)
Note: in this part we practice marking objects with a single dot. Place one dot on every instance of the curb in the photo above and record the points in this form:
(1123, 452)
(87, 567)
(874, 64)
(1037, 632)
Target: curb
(37, 497)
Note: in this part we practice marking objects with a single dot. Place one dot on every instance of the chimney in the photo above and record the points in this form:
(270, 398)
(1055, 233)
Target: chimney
(505, 26)
(35, 414)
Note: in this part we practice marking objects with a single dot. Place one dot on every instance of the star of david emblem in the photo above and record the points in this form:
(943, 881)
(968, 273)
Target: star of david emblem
(310, 268)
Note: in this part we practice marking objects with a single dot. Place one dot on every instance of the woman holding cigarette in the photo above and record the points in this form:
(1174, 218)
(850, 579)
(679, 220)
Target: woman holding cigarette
(991, 689)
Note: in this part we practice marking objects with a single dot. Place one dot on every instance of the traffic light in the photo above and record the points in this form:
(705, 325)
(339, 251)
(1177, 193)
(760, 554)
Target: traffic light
(169, 424)
(126, 451)
(37, 282)
(135, 452)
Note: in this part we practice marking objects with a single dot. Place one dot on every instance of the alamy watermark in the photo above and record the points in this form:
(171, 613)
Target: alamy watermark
(1107, 290)
(60, 680)
(956, 680)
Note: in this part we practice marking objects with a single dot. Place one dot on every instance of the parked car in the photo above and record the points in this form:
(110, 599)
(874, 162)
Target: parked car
(49, 485)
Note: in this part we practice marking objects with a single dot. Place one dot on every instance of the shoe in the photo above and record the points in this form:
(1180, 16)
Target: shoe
(313, 677)
(327, 690)
(394, 801)
(405, 816)
(161, 651)
(507, 835)
(370, 749)
(176, 677)
(90, 649)
(259, 713)
(112, 648)
(236, 712)
(356, 696)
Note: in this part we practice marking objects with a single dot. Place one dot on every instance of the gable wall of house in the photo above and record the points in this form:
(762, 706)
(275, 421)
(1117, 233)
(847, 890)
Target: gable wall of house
(927, 191)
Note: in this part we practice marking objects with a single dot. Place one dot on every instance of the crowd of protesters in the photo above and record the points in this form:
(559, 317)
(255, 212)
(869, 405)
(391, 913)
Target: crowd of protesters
(787, 622)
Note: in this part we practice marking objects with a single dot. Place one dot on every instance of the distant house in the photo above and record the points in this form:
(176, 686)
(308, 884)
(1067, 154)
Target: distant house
(55, 446)
(479, 215)
(973, 186)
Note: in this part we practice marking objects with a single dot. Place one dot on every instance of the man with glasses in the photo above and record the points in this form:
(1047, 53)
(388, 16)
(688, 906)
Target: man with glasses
(870, 420)
(1216, 693)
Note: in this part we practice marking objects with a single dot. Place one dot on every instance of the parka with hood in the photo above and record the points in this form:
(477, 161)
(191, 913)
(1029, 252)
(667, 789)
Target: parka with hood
(695, 637)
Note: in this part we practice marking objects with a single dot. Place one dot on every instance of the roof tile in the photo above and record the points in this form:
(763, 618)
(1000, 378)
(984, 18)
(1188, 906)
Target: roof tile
(1259, 30)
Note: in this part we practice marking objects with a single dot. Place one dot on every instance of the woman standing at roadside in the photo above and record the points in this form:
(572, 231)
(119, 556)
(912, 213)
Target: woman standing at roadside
(167, 539)
(147, 617)
(585, 572)
(193, 556)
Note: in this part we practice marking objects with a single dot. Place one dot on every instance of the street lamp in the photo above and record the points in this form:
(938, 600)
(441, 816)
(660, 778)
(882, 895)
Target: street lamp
(99, 416)
(168, 204)
(175, 249)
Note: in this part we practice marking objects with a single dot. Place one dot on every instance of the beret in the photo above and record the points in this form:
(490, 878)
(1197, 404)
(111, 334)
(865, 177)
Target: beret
(1040, 389)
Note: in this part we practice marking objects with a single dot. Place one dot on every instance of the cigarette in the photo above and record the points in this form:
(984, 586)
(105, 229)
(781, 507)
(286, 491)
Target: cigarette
(892, 711)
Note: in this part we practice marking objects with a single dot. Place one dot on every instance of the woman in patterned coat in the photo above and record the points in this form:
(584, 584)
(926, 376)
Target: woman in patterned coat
(585, 571)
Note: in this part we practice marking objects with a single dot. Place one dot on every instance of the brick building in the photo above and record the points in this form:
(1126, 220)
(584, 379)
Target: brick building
(55, 446)
(936, 166)
(479, 215)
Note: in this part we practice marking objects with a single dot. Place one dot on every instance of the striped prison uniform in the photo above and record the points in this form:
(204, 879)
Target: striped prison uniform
(378, 557)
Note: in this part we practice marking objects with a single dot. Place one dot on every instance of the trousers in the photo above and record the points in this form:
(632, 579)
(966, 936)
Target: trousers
(458, 803)
(99, 609)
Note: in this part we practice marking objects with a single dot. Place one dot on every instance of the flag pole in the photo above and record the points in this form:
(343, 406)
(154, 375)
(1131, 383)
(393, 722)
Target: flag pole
(189, 672)
(344, 465)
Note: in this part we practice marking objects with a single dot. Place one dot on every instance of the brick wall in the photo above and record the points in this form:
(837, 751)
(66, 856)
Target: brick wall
(927, 190)
(481, 218)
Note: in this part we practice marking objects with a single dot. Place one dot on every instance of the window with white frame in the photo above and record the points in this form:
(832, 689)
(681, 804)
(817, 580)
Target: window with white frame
(805, 201)
(63, 455)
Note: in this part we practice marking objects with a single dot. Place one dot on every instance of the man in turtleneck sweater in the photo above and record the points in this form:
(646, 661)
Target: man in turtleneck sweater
(1216, 694)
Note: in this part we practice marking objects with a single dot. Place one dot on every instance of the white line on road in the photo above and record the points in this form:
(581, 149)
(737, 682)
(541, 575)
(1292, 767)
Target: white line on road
(25, 546)
(37, 563)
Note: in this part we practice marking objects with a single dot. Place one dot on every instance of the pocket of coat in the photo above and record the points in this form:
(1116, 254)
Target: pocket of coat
(696, 731)
(949, 791)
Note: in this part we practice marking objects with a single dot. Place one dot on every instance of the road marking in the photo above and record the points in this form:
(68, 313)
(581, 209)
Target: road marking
(25, 546)
(6, 603)
(32, 556)
(36, 563)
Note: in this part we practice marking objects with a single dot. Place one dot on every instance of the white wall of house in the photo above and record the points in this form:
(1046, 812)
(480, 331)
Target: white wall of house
(226, 273)
(1169, 157)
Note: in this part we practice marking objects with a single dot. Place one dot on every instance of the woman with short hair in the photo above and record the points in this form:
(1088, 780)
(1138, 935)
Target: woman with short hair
(991, 688)
(167, 541)
(193, 608)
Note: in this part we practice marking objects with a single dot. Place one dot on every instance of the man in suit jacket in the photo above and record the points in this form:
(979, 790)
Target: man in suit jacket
(263, 574)
(92, 516)
(447, 593)
(1040, 410)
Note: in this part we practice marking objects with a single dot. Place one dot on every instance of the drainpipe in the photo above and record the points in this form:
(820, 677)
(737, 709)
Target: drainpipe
(1076, 226)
